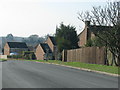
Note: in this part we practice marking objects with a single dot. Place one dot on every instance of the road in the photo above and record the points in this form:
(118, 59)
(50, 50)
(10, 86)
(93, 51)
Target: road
(28, 74)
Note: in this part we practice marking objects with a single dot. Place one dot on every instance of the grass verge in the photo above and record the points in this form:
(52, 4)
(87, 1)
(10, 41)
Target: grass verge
(3, 59)
(102, 68)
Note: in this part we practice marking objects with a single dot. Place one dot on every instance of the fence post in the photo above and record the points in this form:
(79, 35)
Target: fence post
(64, 55)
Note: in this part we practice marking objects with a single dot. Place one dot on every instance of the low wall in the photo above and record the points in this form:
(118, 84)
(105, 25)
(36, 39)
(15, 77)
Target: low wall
(3, 56)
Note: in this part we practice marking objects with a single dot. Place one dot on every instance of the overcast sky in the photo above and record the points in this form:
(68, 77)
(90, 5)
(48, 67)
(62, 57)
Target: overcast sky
(27, 17)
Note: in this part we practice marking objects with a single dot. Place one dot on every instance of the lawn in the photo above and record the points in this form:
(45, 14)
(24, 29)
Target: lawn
(103, 68)
(3, 59)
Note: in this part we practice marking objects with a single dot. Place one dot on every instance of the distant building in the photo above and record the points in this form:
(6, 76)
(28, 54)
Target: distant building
(47, 50)
(15, 47)
(43, 52)
(89, 32)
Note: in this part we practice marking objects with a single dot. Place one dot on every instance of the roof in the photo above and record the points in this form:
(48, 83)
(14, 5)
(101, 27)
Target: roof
(45, 47)
(31, 48)
(17, 44)
(53, 40)
(95, 28)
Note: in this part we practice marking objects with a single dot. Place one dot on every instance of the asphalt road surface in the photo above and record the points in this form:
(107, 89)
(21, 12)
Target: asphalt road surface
(28, 74)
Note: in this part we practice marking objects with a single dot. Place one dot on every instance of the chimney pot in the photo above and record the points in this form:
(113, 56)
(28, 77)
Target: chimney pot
(87, 23)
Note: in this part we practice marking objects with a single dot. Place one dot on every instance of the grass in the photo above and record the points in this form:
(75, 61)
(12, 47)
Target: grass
(103, 68)
(3, 59)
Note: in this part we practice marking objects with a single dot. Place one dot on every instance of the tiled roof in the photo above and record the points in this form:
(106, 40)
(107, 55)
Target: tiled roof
(17, 44)
(45, 47)
(95, 28)
(99, 28)
(53, 40)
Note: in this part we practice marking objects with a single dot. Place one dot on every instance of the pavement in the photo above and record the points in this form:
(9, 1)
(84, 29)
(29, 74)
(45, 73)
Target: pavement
(27, 74)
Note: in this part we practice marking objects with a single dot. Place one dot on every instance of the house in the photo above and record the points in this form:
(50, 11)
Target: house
(52, 44)
(43, 52)
(89, 32)
(46, 50)
(15, 47)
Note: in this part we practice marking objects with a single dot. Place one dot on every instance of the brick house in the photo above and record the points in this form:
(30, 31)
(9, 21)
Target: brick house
(52, 44)
(43, 52)
(89, 32)
(15, 47)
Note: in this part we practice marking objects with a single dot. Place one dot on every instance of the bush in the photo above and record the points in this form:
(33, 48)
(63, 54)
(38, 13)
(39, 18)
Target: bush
(29, 55)
(15, 56)
(94, 42)
(9, 56)
(89, 43)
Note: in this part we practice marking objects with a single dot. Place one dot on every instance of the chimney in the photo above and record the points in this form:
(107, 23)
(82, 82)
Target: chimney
(87, 23)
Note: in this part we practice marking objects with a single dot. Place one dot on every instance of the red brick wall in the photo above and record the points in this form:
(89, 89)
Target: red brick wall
(82, 38)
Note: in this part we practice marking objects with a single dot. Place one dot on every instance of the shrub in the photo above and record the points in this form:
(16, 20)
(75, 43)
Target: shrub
(9, 56)
(15, 56)
(29, 55)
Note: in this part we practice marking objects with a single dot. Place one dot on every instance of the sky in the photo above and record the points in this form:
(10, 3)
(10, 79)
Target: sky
(28, 17)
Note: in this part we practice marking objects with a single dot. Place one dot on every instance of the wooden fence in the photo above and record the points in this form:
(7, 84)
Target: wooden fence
(94, 55)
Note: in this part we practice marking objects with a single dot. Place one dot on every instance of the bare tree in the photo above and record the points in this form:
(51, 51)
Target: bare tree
(108, 15)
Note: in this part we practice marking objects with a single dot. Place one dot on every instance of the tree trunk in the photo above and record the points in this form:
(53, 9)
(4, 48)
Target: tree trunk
(116, 61)
(113, 58)
(106, 59)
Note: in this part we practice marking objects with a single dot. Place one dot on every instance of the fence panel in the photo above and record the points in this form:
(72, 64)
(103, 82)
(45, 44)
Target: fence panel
(93, 55)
